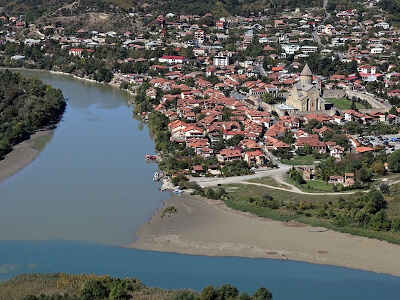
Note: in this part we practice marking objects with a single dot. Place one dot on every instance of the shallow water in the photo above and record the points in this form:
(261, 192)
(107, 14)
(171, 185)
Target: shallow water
(90, 188)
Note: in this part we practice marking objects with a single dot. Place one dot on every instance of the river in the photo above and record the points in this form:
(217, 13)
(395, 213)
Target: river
(90, 188)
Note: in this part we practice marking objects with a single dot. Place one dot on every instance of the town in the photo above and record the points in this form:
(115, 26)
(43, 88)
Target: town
(229, 95)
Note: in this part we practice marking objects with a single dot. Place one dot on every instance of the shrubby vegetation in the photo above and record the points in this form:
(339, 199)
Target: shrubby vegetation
(374, 214)
(92, 287)
(26, 105)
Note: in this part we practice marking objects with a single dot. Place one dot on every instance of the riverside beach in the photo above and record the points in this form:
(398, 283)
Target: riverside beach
(201, 226)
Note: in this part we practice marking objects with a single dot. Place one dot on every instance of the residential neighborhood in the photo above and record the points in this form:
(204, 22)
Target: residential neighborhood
(262, 89)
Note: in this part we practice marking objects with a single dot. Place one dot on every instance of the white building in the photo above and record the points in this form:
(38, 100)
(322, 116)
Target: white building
(309, 49)
(382, 25)
(290, 49)
(221, 60)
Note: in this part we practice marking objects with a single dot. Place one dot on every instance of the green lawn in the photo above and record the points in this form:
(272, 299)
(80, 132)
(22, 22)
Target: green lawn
(312, 186)
(300, 160)
(343, 103)
(318, 185)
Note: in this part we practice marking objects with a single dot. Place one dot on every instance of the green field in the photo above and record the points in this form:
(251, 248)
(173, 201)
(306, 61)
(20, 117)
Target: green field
(308, 208)
(300, 160)
(268, 181)
(343, 103)
(312, 186)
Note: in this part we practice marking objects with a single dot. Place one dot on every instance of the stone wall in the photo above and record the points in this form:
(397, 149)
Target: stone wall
(334, 94)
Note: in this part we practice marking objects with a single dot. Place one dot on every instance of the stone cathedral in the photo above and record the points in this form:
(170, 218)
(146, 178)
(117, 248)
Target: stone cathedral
(306, 95)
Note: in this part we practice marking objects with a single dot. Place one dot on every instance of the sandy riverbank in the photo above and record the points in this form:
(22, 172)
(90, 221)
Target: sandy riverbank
(206, 227)
(21, 155)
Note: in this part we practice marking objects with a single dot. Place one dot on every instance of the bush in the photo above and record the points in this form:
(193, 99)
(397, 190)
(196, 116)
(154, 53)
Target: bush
(297, 177)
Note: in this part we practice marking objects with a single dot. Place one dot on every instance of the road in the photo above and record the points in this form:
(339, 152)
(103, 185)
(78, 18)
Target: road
(260, 69)
(375, 102)
(314, 32)
(316, 38)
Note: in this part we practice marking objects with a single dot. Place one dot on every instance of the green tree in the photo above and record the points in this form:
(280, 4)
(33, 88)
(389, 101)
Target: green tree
(394, 161)
(208, 293)
(262, 294)
(94, 290)
(376, 201)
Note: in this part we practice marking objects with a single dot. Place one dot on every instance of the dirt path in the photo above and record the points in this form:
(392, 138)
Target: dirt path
(298, 191)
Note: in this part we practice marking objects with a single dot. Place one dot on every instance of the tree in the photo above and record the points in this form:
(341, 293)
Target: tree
(227, 291)
(378, 167)
(268, 98)
(262, 294)
(208, 293)
(376, 201)
(94, 289)
(394, 161)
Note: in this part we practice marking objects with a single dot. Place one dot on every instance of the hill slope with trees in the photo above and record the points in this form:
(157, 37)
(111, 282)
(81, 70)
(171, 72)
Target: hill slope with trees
(26, 105)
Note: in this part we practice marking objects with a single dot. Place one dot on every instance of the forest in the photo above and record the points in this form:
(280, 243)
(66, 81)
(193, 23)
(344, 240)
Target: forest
(26, 105)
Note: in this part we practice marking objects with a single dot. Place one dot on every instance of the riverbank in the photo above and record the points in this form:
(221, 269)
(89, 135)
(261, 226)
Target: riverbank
(22, 154)
(205, 227)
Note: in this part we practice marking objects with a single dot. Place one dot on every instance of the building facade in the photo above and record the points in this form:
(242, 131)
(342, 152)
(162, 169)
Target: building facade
(306, 95)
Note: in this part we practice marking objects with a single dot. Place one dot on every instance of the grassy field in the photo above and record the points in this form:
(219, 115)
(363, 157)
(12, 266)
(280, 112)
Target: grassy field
(300, 160)
(343, 103)
(306, 208)
(312, 186)
(241, 191)
(268, 181)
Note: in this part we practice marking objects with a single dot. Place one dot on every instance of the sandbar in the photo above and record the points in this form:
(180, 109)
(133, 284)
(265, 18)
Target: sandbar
(22, 154)
(206, 227)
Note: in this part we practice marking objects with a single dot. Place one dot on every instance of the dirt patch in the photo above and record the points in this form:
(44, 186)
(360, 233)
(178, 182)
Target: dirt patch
(271, 253)
(322, 252)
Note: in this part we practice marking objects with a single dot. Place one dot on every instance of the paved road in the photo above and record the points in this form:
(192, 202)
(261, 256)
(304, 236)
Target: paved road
(316, 38)
(260, 69)
(375, 102)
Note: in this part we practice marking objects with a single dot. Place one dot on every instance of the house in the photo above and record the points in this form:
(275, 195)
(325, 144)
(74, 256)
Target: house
(228, 155)
(177, 129)
(336, 179)
(348, 179)
(78, 52)
(368, 69)
(337, 152)
(197, 169)
(193, 132)
(171, 59)
(313, 142)
(361, 149)
(255, 157)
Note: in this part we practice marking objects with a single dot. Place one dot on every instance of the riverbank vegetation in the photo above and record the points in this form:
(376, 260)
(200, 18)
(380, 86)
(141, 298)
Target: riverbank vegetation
(373, 214)
(26, 105)
(93, 287)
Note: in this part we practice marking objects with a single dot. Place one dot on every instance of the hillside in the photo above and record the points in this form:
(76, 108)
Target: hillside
(111, 14)
(26, 105)
(83, 14)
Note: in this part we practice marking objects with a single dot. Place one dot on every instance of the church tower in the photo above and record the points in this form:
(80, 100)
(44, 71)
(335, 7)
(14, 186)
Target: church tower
(306, 76)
